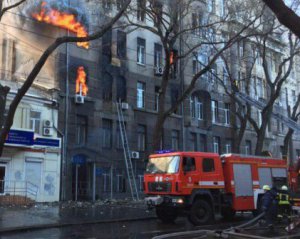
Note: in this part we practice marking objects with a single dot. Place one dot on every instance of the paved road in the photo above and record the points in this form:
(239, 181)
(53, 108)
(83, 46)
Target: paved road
(134, 229)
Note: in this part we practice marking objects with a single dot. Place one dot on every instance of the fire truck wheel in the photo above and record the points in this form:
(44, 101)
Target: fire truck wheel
(166, 215)
(201, 213)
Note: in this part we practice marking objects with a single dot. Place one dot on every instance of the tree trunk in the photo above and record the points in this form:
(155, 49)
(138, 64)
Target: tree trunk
(261, 137)
(3, 94)
(287, 140)
(241, 134)
(158, 132)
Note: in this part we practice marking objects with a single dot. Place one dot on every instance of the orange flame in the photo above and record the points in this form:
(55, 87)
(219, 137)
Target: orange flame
(64, 20)
(81, 86)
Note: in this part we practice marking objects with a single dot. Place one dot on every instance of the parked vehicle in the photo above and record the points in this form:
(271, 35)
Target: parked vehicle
(200, 184)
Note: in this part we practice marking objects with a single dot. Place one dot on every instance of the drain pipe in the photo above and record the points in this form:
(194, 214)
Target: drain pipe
(181, 75)
(65, 156)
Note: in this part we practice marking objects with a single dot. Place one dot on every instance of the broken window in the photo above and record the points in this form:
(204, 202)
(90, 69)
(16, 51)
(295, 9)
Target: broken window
(121, 89)
(107, 87)
(141, 10)
(107, 133)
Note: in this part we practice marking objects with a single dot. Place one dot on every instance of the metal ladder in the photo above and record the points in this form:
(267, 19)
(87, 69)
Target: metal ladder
(127, 154)
(276, 112)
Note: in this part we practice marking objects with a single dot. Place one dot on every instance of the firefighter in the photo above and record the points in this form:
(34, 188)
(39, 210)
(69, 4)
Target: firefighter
(284, 206)
(269, 205)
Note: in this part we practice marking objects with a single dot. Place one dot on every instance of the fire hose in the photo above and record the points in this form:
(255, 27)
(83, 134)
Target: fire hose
(249, 222)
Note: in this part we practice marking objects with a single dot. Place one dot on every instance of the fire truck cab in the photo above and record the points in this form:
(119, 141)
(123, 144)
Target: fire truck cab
(200, 184)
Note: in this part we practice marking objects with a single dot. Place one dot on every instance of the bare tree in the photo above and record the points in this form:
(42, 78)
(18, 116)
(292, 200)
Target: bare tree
(38, 66)
(241, 111)
(174, 23)
(286, 16)
(3, 10)
(274, 82)
(294, 115)
(5, 89)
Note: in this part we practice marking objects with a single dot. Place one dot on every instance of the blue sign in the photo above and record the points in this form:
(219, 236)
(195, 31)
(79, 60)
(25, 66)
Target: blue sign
(47, 142)
(20, 137)
(99, 171)
(164, 151)
(79, 159)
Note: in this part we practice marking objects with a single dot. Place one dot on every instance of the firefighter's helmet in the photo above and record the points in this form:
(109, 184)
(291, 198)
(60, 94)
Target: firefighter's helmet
(284, 188)
(266, 187)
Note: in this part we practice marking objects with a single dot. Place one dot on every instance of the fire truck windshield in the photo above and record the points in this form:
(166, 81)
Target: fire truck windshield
(167, 164)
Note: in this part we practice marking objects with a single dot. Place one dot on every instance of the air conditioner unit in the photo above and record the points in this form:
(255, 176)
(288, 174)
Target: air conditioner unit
(47, 123)
(47, 131)
(79, 99)
(135, 155)
(125, 106)
(158, 71)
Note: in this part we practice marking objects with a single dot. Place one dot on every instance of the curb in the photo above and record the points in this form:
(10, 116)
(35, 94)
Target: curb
(59, 225)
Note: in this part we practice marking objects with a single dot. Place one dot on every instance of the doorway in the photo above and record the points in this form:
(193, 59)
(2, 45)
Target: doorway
(80, 182)
(2, 177)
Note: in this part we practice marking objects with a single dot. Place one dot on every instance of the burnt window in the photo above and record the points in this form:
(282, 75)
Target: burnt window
(141, 10)
(157, 9)
(202, 143)
(175, 139)
(107, 4)
(81, 130)
(173, 62)
(121, 44)
(120, 4)
(157, 55)
(106, 46)
(119, 142)
(107, 82)
(106, 133)
(189, 164)
(174, 96)
(208, 165)
(193, 141)
(141, 137)
(121, 88)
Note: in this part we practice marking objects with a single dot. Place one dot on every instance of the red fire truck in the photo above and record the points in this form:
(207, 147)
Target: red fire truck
(199, 184)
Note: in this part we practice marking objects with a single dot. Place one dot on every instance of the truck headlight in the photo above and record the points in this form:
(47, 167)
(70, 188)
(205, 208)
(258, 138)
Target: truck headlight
(178, 200)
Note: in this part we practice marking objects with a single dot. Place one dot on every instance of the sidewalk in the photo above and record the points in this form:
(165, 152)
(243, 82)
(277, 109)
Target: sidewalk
(70, 213)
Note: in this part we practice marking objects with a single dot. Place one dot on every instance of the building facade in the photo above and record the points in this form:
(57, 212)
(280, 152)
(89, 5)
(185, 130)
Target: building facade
(126, 66)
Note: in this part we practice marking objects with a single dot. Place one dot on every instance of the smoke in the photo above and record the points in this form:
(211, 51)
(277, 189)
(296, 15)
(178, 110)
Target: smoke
(61, 6)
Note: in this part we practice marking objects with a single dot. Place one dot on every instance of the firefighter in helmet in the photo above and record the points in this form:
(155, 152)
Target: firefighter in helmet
(269, 205)
(284, 205)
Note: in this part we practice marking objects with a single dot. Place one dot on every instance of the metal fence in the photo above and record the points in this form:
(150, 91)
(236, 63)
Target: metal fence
(19, 188)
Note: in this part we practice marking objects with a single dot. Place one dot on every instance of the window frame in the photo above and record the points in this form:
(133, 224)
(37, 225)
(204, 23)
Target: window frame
(33, 120)
(141, 51)
(140, 103)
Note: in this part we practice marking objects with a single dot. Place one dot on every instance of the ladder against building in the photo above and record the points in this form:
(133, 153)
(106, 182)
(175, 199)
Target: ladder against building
(276, 112)
(127, 154)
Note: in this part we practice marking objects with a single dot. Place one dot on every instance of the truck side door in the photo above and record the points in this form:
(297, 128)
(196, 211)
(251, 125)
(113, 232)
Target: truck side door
(189, 171)
(210, 175)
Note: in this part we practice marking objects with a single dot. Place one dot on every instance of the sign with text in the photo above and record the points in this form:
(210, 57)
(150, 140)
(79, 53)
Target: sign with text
(79, 159)
(20, 137)
(26, 138)
(47, 142)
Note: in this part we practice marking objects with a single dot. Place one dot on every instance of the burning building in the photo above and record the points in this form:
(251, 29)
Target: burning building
(73, 102)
